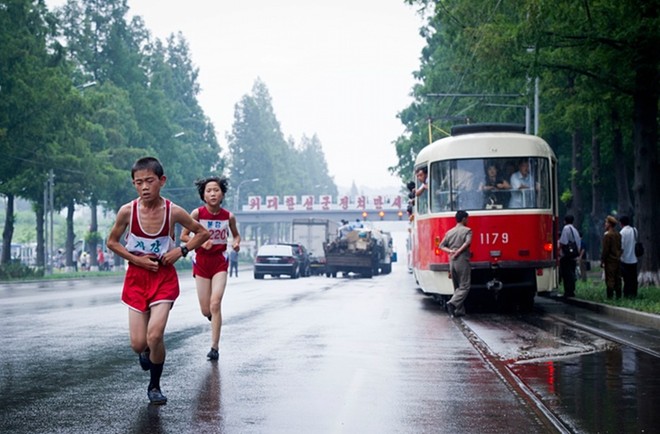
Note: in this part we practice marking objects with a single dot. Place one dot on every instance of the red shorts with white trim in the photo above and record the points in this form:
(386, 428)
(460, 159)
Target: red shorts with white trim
(144, 288)
(208, 265)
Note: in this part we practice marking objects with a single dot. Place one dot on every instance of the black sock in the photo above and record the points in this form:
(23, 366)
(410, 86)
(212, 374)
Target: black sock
(156, 371)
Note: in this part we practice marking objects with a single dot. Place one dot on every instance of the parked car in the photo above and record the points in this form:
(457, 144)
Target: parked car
(303, 257)
(277, 260)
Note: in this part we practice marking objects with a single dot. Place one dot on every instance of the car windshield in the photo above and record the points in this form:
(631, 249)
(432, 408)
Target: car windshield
(493, 183)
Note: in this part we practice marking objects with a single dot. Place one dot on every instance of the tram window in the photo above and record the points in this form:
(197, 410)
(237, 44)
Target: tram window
(422, 200)
(496, 183)
(440, 187)
(530, 184)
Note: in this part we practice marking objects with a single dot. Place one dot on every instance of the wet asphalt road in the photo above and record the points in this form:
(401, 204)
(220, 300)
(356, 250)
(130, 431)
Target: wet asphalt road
(313, 355)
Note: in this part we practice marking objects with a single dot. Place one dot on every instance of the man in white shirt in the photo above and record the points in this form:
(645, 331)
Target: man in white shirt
(567, 264)
(523, 187)
(628, 258)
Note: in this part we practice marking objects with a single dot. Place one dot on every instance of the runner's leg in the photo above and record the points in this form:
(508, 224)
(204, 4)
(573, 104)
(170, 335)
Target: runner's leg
(204, 295)
(218, 285)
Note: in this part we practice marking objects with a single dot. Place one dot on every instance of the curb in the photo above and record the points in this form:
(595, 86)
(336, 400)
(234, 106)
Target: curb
(629, 315)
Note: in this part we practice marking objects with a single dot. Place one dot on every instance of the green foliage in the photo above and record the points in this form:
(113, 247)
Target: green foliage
(93, 238)
(15, 270)
(145, 94)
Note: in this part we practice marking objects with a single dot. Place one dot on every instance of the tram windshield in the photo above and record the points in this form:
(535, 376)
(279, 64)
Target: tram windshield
(493, 183)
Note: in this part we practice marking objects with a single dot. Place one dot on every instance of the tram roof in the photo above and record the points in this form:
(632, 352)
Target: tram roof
(485, 145)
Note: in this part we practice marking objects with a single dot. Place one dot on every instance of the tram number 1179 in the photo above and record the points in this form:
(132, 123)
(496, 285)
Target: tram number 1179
(494, 237)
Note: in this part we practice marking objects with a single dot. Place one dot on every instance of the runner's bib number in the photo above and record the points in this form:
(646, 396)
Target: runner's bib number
(219, 230)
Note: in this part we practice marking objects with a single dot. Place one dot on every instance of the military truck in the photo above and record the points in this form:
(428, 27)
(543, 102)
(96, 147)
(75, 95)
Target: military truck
(359, 250)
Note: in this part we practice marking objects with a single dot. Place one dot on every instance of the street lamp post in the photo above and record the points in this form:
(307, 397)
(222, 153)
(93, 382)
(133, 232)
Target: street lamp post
(238, 192)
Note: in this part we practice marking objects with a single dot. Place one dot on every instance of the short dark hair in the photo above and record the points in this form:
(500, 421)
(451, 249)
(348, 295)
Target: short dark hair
(148, 163)
(201, 185)
(460, 215)
(624, 220)
(569, 219)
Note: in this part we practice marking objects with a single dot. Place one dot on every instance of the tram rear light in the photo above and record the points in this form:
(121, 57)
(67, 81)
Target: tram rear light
(539, 271)
(547, 247)
(436, 244)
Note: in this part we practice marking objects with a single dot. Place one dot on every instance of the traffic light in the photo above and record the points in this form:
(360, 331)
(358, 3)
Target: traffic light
(364, 215)
(400, 214)
(381, 214)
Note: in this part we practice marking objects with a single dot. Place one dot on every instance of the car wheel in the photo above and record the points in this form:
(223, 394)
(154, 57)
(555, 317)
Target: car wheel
(258, 276)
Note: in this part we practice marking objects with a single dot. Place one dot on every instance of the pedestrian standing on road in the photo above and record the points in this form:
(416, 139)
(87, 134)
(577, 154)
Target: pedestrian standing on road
(567, 264)
(233, 263)
(100, 259)
(210, 265)
(456, 244)
(610, 257)
(151, 284)
(628, 258)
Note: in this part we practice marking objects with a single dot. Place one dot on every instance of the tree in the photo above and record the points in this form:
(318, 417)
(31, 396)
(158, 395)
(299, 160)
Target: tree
(34, 84)
(312, 159)
(196, 152)
(145, 102)
(258, 149)
(256, 145)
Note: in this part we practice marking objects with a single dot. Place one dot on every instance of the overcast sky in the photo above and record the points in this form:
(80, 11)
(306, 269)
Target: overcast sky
(340, 69)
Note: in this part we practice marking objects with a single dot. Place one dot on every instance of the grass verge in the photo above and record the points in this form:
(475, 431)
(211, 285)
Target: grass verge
(647, 300)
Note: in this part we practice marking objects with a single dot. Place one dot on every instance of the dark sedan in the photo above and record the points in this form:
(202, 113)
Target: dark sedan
(277, 260)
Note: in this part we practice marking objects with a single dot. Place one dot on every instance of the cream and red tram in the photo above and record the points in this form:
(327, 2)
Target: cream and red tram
(514, 229)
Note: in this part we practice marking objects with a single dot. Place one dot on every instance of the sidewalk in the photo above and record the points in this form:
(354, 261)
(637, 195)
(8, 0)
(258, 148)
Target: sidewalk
(621, 313)
(620, 324)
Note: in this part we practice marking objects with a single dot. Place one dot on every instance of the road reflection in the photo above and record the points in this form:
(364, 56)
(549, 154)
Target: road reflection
(617, 390)
(148, 420)
(208, 415)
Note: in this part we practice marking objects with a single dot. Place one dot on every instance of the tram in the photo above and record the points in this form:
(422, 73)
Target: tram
(514, 224)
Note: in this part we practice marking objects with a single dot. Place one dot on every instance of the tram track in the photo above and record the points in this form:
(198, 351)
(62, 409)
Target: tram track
(605, 335)
(518, 387)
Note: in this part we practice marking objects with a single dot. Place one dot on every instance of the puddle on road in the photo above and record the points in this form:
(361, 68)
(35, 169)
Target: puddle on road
(611, 391)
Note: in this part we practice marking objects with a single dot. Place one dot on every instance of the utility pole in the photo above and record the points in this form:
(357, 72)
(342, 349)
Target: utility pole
(51, 180)
(49, 205)
(45, 245)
